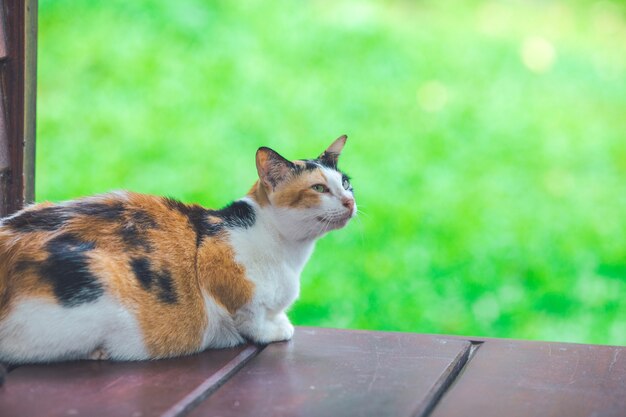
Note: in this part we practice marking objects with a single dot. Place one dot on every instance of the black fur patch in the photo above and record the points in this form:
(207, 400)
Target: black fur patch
(23, 265)
(309, 165)
(141, 269)
(237, 214)
(160, 282)
(46, 219)
(67, 269)
(197, 216)
(328, 159)
(102, 211)
(324, 161)
(166, 291)
(134, 229)
(142, 219)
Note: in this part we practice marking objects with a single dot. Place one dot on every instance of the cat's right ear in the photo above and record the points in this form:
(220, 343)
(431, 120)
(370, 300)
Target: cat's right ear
(330, 156)
(272, 167)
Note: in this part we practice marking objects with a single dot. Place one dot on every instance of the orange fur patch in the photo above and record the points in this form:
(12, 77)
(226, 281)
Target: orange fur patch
(259, 194)
(297, 192)
(169, 329)
(222, 276)
(17, 278)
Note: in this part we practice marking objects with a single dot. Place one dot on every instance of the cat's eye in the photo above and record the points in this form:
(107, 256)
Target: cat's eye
(346, 184)
(320, 188)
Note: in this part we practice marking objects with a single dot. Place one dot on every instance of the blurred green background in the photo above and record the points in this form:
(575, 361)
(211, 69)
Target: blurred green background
(487, 143)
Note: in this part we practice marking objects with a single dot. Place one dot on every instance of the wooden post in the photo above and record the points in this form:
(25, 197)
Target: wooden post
(18, 57)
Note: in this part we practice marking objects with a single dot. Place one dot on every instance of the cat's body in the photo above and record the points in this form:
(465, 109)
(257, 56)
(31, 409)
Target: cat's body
(128, 276)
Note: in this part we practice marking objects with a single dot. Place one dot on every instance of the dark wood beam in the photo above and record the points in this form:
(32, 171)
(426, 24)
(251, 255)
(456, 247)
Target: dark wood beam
(18, 46)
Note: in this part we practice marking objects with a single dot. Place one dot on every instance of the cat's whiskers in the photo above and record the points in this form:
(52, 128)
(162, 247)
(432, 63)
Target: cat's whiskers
(321, 224)
(326, 223)
(312, 229)
(360, 228)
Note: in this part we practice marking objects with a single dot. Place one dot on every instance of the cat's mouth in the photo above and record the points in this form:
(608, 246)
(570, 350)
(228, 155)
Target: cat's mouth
(334, 222)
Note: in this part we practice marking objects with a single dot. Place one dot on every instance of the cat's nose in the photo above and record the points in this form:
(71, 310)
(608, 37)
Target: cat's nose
(348, 203)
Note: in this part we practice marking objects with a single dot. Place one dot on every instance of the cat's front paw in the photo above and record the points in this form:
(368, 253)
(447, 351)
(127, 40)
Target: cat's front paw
(284, 330)
(277, 330)
(263, 329)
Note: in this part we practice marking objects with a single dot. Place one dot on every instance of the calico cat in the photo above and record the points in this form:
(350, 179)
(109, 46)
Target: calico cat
(127, 276)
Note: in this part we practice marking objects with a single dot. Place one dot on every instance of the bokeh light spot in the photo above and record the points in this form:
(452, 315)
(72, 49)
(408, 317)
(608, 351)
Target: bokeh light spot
(538, 54)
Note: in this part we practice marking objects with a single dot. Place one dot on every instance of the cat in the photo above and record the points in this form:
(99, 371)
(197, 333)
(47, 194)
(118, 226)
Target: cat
(127, 276)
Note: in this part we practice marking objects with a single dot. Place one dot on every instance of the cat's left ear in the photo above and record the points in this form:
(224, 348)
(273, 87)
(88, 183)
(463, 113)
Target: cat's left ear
(331, 155)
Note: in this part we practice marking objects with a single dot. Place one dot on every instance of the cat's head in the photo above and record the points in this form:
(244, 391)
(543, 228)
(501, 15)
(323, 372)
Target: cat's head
(307, 197)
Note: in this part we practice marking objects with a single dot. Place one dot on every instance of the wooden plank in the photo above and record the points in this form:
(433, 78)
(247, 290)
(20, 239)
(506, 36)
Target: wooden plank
(326, 372)
(519, 378)
(93, 388)
(212, 383)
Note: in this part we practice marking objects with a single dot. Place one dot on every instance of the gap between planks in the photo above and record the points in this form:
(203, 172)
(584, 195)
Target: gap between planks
(449, 376)
(211, 384)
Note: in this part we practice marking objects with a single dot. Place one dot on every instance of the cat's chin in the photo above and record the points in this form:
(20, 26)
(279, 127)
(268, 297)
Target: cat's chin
(332, 224)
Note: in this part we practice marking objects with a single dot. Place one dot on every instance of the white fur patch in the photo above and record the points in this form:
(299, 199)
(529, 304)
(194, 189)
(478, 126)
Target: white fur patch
(220, 331)
(38, 330)
(273, 263)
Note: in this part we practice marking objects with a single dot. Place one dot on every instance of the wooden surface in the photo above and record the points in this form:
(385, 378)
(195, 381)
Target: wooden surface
(516, 378)
(93, 388)
(323, 371)
(326, 372)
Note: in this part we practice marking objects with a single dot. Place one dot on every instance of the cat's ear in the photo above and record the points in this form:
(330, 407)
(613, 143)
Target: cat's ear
(331, 155)
(272, 167)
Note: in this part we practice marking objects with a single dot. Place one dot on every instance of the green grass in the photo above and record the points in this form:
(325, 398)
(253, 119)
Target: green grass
(487, 143)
